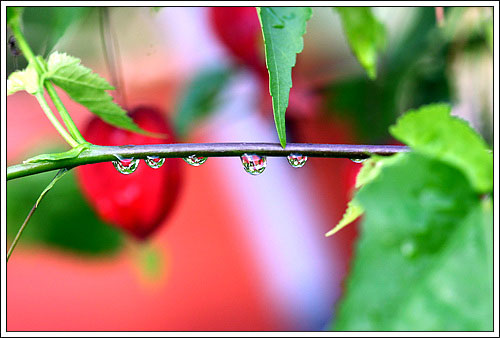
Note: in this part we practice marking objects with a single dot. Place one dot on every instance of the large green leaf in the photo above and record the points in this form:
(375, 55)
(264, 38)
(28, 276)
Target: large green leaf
(282, 29)
(431, 130)
(424, 258)
(200, 97)
(63, 220)
(88, 89)
(365, 34)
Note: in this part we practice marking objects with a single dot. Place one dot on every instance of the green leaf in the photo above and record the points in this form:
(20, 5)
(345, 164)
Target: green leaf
(432, 131)
(372, 167)
(26, 79)
(282, 29)
(88, 89)
(424, 258)
(200, 98)
(64, 220)
(370, 170)
(354, 210)
(365, 34)
(72, 153)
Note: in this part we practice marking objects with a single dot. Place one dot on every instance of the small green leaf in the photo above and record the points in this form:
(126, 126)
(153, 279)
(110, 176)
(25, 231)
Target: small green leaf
(372, 167)
(354, 210)
(432, 131)
(88, 89)
(200, 98)
(370, 171)
(72, 153)
(282, 29)
(365, 34)
(26, 79)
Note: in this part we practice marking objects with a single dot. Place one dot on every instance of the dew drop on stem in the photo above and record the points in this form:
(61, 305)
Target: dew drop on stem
(195, 160)
(154, 162)
(253, 164)
(126, 166)
(358, 160)
(297, 160)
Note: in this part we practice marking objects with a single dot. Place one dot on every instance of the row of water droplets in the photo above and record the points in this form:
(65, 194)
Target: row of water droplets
(252, 163)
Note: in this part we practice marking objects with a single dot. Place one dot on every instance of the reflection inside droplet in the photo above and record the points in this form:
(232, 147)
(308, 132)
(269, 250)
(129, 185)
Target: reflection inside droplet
(253, 164)
(297, 160)
(195, 160)
(155, 162)
(126, 166)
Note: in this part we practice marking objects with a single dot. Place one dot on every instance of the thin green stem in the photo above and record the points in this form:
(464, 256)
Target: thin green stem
(55, 122)
(24, 47)
(59, 174)
(30, 57)
(63, 112)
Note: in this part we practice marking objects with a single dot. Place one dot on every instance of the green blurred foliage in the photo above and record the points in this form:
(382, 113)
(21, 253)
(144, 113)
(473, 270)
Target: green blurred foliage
(365, 34)
(424, 259)
(63, 219)
(412, 73)
(200, 98)
(43, 27)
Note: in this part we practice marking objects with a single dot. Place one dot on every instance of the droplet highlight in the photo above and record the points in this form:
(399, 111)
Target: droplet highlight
(195, 160)
(358, 160)
(297, 160)
(253, 164)
(126, 166)
(155, 162)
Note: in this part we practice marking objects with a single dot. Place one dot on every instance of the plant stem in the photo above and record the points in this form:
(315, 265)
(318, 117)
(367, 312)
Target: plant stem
(30, 57)
(63, 113)
(110, 153)
(59, 174)
(24, 47)
(55, 122)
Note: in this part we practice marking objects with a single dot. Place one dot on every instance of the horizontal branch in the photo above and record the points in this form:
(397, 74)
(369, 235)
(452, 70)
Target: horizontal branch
(111, 153)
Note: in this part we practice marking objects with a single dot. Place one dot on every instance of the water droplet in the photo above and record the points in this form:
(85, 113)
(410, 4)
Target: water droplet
(297, 160)
(253, 164)
(155, 162)
(126, 166)
(358, 160)
(195, 160)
